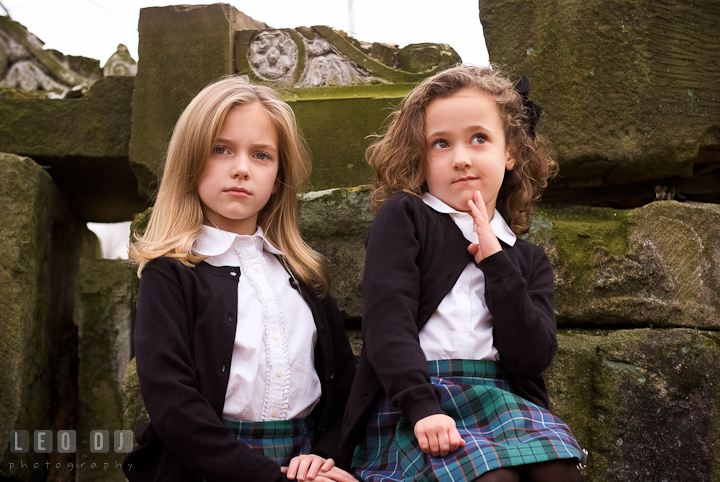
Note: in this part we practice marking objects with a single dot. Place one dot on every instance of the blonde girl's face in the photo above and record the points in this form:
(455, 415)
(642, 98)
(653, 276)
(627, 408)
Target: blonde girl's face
(466, 150)
(241, 171)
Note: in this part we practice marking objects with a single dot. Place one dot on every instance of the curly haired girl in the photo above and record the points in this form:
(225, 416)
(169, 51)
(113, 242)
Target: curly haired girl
(458, 321)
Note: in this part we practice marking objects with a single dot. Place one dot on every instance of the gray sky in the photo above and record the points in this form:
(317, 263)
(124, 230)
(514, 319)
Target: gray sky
(94, 28)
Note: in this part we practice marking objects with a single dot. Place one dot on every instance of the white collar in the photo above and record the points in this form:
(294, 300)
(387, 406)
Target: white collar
(214, 242)
(497, 223)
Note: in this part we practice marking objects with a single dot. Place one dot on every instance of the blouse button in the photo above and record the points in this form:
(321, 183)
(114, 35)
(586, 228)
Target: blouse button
(278, 373)
(256, 267)
(275, 336)
(464, 328)
(465, 290)
(268, 297)
(274, 413)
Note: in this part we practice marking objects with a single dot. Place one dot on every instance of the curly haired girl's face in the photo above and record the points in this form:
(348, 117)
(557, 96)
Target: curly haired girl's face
(466, 150)
(240, 175)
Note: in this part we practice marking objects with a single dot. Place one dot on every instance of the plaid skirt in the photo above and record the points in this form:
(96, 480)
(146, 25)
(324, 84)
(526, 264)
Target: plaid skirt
(278, 440)
(500, 430)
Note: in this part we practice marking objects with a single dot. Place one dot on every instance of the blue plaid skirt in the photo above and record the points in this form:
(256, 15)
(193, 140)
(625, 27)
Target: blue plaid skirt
(500, 430)
(278, 440)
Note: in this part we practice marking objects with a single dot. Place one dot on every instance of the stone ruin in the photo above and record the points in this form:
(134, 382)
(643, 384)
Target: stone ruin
(632, 224)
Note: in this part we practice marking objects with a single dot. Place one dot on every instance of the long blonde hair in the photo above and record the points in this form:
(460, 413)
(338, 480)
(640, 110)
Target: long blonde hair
(177, 215)
(399, 156)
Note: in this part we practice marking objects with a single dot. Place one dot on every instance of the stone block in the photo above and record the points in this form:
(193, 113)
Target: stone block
(630, 90)
(104, 314)
(84, 144)
(338, 124)
(134, 412)
(183, 48)
(40, 245)
(645, 403)
(657, 265)
(334, 223)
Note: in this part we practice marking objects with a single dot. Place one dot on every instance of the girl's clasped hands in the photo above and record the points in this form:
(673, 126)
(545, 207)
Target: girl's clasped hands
(315, 468)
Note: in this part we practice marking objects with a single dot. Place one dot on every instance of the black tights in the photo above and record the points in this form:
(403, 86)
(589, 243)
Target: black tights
(552, 471)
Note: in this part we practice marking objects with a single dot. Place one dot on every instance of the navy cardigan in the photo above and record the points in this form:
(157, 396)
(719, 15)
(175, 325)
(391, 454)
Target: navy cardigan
(414, 257)
(184, 336)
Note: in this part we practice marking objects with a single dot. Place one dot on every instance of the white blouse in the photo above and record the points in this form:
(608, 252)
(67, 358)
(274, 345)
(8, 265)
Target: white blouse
(461, 327)
(272, 373)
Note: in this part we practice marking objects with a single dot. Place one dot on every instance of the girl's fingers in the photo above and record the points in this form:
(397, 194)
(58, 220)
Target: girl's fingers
(456, 441)
(434, 445)
(315, 466)
(292, 467)
(443, 443)
(329, 464)
(424, 445)
(303, 468)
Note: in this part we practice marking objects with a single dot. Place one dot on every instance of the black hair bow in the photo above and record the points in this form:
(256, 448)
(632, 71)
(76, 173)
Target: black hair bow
(531, 109)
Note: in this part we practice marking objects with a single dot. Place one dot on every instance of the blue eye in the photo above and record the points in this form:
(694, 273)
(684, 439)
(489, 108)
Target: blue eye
(219, 150)
(478, 139)
(263, 156)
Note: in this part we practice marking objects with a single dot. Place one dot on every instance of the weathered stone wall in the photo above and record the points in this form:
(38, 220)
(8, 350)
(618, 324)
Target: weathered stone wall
(40, 245)
(631, 92)
(103, 313)
(84, 143)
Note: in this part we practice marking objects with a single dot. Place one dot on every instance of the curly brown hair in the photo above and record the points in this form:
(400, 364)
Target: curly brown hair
(399, 156)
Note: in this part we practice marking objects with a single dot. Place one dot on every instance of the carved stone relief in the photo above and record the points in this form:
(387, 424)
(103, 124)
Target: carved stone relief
(273, 55)
(25, 65)
(320, 56)
(325, 65)
(120, 63)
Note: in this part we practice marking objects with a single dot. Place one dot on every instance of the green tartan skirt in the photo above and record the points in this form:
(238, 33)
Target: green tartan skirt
(499, 428)
(278, 440)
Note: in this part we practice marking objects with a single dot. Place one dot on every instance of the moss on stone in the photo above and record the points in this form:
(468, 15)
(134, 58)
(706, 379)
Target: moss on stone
(645, 403)
(338, 141)
(598, 72)
(580, 231)
(40, 242)
(104, 317)
(84, 143)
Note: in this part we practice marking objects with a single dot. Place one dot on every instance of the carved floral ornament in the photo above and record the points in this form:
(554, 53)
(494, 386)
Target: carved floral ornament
(320, 56)
(273, 56)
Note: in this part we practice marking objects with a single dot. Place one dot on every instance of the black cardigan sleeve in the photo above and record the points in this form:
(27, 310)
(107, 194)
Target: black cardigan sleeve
(391, 297)
(519, 294)
(180, 415)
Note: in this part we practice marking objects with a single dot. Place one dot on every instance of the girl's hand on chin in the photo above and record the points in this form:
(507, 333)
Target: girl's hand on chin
(488, 243)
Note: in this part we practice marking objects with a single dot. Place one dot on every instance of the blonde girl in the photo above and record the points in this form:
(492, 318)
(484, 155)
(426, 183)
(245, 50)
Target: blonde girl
(242, 357)
(458, 321)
